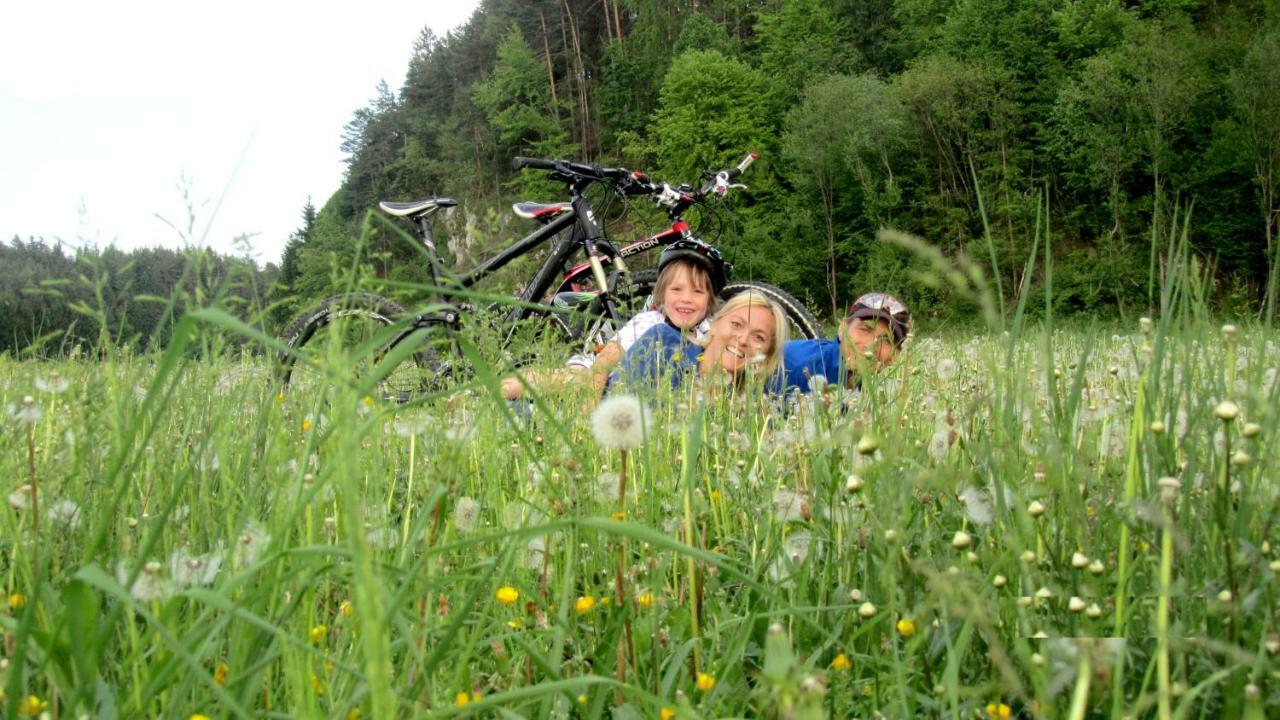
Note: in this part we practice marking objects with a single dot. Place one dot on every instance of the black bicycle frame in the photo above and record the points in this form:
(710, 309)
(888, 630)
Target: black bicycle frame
(579, 220)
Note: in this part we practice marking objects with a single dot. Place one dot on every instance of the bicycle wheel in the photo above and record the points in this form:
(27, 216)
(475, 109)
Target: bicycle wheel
(802, 324)
(348, 338)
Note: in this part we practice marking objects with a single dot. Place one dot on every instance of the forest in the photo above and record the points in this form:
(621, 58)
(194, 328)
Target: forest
(1102, 127)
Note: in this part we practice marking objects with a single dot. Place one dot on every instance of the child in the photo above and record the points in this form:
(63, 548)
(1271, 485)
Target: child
(873, 332)
(691, 274)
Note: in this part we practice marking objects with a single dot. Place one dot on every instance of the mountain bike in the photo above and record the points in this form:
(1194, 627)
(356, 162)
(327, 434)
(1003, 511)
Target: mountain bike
(581, 303)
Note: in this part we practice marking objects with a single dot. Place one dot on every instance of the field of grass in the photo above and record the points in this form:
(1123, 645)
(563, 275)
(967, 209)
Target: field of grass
(1043, 524)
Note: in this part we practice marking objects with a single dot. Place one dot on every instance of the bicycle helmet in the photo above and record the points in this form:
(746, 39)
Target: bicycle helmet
(700, 253)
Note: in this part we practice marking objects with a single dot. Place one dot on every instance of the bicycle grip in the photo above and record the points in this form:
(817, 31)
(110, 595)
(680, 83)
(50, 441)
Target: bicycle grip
(520, 162)
(742, 166)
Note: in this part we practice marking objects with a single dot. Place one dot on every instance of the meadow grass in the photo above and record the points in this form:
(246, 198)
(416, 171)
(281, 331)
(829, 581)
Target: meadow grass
(1029, 523)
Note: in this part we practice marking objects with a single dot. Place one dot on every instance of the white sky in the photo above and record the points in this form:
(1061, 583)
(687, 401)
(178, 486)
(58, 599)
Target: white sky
(109, 109)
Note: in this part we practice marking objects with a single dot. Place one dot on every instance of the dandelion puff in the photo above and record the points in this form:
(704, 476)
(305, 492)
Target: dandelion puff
(410, 425)
(797, 546)
(20, 498)
(461, 434)
(148, 586)
(26, 412)
(64, 514)
(188, 570)
(465, 513)
(249, 546)
(607, 487)
(788, 505)
(620, 422)
(976, 506)
(947, 369)
(55, 384)
(940, 444)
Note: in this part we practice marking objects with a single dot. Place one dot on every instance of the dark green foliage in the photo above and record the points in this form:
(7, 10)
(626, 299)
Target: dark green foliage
(52, 302)
(920, 115)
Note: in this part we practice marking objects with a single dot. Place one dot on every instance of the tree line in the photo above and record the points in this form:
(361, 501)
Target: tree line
(55, 301)
(1097, 121)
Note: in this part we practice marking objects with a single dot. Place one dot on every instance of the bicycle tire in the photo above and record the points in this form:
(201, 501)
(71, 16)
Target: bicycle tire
(802, 323)
(353, 322)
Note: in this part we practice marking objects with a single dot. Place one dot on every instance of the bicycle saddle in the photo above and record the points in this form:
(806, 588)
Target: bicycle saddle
(414, 208)
(540, 211)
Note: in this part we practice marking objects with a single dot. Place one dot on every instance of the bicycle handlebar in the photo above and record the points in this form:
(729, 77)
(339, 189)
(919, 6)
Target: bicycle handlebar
(571, 170)
(627, 182)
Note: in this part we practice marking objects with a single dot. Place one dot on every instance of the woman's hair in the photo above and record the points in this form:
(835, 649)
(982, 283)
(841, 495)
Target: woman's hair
(752, 298)
(701, 279)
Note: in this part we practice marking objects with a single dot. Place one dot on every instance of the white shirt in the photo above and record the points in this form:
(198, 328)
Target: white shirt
(635, 327)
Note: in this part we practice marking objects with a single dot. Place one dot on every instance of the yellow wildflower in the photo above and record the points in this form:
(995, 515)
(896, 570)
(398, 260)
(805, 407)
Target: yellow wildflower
(999, 711)
(705, 682)
(645, 600)
(584, 604)
(198, 716)
(666, 713)
(516, 624)
(582, 699)
(279, 398)
(618, 516)
(507, 595)
(906, 627)
(461, 699)
(220, 674)
(17, 601)
(345, 608)
(714, 495)
(316, 685)
(306, 424)
(368, 402)
(841, 663)
(318, 634)
(33, 705)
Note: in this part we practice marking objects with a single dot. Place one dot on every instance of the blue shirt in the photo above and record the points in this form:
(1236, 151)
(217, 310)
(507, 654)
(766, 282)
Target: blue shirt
(805, 359)
(662, 353)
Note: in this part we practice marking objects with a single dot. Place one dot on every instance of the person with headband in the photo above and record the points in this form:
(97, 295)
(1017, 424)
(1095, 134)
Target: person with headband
(870, 336)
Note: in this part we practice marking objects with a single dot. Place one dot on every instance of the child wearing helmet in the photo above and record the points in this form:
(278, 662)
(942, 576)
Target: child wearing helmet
(870, 336)
(691, 274)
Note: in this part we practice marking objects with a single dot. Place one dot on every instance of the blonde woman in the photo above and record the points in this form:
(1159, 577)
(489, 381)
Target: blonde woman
(746, 338)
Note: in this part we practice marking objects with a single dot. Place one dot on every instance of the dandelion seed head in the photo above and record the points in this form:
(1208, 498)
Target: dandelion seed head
(788, 505)
(947, 369)
(26, 412)
(187, 569)
(148, 586)
(465, 513)
(976, 506)
(64, 514)
(249, 546)
(20, 498)
(620, 422)
(55, 384)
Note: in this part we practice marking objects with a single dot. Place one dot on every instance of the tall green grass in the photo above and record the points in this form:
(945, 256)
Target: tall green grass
(982, 529)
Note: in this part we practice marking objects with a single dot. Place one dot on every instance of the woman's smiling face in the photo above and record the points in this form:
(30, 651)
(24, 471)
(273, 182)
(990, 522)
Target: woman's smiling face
(739, 336)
